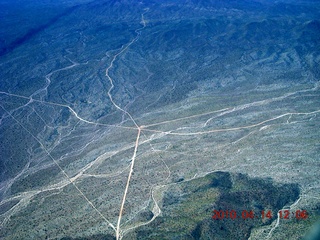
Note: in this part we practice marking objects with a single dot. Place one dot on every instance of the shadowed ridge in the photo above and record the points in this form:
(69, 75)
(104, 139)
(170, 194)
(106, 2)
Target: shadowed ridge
(34, 31)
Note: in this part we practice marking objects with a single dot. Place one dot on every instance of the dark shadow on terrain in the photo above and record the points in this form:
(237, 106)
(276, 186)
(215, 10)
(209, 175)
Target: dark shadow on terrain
(34, 31)
(187, 207)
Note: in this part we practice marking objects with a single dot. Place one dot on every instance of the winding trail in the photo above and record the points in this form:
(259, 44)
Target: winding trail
(138, 32)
